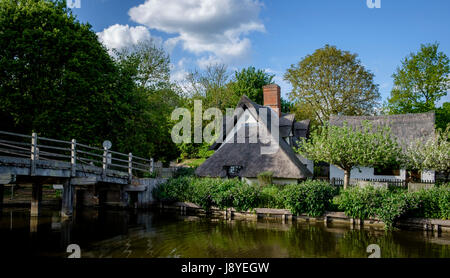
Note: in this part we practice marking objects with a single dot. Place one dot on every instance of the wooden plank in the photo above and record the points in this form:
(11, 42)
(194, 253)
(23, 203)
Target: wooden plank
(84, 181)
(134, 188)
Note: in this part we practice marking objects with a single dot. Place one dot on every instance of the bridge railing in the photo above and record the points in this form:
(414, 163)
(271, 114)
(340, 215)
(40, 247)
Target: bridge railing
(42, 148)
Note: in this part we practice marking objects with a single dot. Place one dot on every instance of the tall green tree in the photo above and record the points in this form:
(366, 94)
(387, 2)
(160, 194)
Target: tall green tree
(148, 64)
(56, 78)
(421, 81)
(149, 122)
(250, 82)
(333, 81)
(348, 148)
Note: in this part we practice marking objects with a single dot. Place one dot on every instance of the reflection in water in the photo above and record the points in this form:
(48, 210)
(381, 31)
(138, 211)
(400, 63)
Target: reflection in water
(120, 234)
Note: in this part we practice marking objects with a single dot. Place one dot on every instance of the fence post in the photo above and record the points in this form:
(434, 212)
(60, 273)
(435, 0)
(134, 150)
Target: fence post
(130, 166)
(105, 161)
(152, 166)
(73, 157)
(33, 153)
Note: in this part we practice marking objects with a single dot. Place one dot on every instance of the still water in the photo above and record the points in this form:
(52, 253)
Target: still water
(119, 234)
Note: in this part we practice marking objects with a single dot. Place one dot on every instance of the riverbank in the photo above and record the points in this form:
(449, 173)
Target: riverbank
(436, 226)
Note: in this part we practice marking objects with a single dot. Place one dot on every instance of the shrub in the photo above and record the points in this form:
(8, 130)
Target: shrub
(246, 196)
(310, 197)
(265, 178)
(223, 194)
(360, 203)
(184, 172)
(394, 205)
(174, 190)
(433, 203)
(271, 197)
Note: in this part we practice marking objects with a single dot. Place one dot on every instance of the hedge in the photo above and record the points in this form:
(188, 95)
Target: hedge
(313, 198)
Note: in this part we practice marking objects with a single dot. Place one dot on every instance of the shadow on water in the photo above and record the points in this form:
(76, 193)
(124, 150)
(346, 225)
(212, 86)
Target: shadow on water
(124, 234)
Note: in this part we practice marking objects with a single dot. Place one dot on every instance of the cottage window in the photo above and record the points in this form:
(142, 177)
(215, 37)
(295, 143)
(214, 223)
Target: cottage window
(233, 171)
(386, 172)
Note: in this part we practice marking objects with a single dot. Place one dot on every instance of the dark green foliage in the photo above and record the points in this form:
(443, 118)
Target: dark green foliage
(395, 205)
(250, 82)
(174, 190)
(271, 197)
(184, 172)
(390, 205)
(433, 203)
(246, 196)
(310, 197)
(420, 82)
(360, 203)
(58, 80)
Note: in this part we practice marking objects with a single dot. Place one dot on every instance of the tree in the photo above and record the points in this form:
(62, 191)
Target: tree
(332, 81)
(349, 148)
(250, 82)
(150, 124)
(443, 116)
(210, 86)
(421, 81)
(433, 154)
(56, 78)
(148, 64)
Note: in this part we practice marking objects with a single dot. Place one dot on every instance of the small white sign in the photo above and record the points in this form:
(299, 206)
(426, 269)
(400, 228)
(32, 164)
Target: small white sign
(58, 186)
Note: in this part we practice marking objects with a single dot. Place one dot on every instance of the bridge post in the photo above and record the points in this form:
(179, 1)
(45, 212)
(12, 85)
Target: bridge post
(130, 166)
(67, 200)
(152, 167)
(34, 153)
(2, 191)
(105, 161)
(73, 157)
(36, 199)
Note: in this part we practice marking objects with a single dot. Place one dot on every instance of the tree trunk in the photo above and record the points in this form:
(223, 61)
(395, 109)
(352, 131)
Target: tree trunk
(346, 178)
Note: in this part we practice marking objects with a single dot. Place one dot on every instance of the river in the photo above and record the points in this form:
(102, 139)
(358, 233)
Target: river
(143, 234)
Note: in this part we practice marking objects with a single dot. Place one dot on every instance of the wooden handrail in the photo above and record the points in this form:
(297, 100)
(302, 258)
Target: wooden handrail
(72, 152)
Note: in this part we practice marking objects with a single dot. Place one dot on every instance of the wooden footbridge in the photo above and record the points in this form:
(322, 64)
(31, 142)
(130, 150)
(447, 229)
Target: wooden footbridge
(103, 174)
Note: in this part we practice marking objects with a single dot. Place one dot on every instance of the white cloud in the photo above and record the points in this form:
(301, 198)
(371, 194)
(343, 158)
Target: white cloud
(215, 28)
(118, 36)
(285, 86)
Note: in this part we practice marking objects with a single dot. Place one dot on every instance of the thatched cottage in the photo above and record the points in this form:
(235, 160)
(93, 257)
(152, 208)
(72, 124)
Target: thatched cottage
(239, 153)
(406, 128)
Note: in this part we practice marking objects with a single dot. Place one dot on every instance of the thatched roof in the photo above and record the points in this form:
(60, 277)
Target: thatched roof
(405, 127)
(283, 163)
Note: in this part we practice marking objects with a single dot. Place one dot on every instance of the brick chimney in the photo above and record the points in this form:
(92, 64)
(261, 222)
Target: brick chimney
(272, 94)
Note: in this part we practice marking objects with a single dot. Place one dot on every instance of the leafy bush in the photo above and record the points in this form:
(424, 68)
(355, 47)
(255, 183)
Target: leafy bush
(360, 203)
(433, 203)
(394, 205)
(246, 196)
(184, 172)
(271, 197)
(310, 197)
(174, 190)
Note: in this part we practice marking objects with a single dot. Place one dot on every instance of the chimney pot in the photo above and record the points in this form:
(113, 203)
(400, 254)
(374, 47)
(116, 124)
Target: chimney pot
(272, 93)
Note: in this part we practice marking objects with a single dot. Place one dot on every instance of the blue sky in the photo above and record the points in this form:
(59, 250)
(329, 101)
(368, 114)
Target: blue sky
(272, 35)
